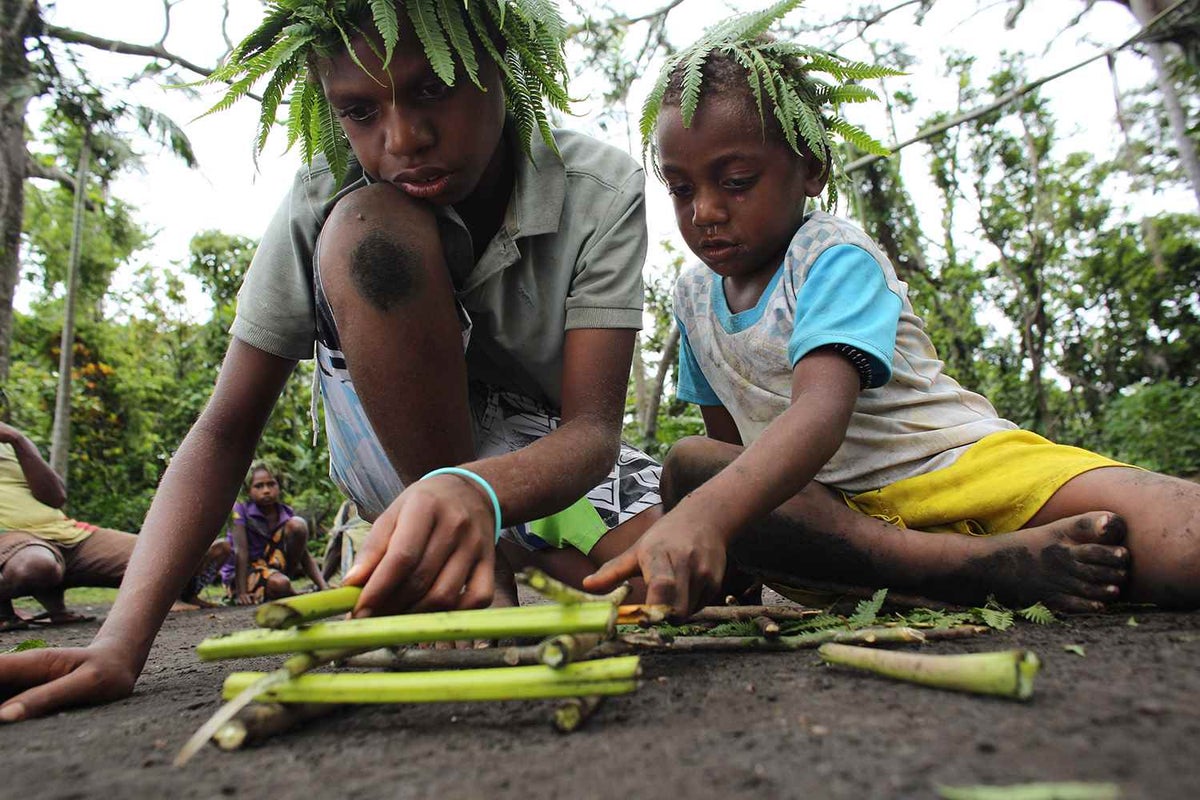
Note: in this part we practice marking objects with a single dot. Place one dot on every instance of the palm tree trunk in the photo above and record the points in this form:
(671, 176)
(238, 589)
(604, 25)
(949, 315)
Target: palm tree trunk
(60, 440)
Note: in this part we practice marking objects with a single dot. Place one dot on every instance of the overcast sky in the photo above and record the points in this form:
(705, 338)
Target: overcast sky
(228, 193)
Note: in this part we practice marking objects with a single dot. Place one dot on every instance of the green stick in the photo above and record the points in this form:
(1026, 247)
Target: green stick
(609, 676)
(572, 713)
(1008, 673)
(805, 641)
(558, 651)
(292, 611)
(559, 592)
(441, 626)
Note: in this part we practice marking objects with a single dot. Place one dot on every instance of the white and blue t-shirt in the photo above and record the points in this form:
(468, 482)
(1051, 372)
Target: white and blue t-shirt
(834, 288)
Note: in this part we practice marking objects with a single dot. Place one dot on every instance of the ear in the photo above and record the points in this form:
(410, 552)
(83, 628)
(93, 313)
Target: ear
(816, 175)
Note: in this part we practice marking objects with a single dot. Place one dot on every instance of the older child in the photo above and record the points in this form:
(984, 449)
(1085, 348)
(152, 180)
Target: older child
(460, 225)
(269, 543)
(826, 407)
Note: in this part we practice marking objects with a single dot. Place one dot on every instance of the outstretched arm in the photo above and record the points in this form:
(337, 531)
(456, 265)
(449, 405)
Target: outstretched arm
(682, 557)
(44, 483)
(192, 503)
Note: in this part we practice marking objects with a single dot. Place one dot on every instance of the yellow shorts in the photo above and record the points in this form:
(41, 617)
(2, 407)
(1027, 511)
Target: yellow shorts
(994, 487)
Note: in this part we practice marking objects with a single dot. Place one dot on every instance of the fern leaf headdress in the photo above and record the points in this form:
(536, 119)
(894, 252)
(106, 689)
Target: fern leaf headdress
(523, 37)
(779, 74)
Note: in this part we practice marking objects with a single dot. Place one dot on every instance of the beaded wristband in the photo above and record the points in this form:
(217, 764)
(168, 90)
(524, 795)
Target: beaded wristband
(487, 488)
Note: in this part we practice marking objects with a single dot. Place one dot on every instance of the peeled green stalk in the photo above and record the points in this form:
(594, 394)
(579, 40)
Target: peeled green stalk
(441, 626)
(1007, 673)
(604, 677)
(558, 651)
(289, 612)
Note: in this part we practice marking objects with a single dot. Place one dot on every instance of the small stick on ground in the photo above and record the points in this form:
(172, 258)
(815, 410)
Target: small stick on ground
(781, 582)
(260, 721)
(573, 713)
(643, 615)
(415, 658)
(768, 627)
(1007, 673)
(559, 592)
(558, 651)
(742, 613)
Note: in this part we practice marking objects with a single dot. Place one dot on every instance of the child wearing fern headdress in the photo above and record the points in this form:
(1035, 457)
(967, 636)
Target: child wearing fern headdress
(837, 449)
(463, 223)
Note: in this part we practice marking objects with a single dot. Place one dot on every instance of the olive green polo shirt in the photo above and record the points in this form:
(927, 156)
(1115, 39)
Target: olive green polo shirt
(568, 255)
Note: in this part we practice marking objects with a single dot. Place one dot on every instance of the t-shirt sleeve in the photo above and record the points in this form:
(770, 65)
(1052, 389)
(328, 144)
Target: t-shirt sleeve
(692, 386)
(845, 302)
(606, 291)
(275, 310)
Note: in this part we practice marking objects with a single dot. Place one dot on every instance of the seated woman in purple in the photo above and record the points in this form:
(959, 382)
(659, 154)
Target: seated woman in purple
(270, 543)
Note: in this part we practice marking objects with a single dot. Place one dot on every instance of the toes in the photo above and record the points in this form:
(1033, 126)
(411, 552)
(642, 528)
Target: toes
(1102, 555)
(1100, 574)
(1105, 528)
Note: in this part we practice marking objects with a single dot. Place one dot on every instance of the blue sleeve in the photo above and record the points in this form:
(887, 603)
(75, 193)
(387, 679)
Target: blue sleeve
(692, 386)
(845, 300)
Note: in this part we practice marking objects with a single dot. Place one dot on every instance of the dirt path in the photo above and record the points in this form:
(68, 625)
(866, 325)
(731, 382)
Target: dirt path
(714, 726)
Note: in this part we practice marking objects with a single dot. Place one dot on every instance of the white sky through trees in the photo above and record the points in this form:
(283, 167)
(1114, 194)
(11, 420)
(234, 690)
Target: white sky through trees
(227, 193)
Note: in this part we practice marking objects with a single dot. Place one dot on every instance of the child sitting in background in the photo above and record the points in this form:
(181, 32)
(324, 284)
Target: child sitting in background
(827, 412)
(269, 542)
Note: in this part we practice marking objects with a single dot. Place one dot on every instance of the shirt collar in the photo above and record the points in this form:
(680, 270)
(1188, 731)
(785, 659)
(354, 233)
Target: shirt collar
(540, 186)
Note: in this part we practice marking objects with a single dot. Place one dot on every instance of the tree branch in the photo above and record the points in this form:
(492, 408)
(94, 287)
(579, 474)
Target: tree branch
(124, 48)
(49, 172)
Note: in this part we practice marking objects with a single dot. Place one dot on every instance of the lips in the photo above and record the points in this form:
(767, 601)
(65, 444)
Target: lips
(717, 249)
(422, 183)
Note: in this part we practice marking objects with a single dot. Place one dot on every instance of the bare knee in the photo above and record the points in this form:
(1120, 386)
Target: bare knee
(220, 552)
(31, 569)
(692, 461)
(296, 528)
(380, 247)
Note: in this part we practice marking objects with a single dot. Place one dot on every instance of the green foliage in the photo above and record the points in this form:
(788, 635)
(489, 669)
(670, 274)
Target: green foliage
(1156, 426)
(523, 39)
(806, 106)
(28, 644)
(867, 611)
(1038, 614)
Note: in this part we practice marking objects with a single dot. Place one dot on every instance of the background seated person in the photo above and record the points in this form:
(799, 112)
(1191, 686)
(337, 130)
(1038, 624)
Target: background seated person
(269, 543)
(42, 551)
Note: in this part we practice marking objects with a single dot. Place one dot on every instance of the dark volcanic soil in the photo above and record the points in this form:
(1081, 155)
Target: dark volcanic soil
(719, 726)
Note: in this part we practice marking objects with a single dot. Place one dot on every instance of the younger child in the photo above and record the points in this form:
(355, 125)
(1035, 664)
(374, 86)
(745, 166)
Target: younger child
(826, 408)
(269, 544)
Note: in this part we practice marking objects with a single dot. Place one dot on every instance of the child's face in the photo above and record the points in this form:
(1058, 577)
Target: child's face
(264, 489)
(739, 197)
(407, 128)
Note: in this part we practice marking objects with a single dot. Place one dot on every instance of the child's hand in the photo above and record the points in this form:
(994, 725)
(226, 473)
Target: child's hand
(431, 550)
(45, 680)
(682, 563)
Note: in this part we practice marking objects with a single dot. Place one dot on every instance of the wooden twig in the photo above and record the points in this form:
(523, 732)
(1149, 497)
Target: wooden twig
(572, 713)
(743, 613)
(558, 651)
(260, 721)
(414, 658)
(768, 627)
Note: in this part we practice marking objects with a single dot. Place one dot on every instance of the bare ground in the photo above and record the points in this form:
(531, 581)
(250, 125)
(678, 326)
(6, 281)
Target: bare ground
(712, 726)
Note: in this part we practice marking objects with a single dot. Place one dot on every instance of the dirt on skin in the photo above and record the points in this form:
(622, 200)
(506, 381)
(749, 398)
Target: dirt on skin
(722, 726)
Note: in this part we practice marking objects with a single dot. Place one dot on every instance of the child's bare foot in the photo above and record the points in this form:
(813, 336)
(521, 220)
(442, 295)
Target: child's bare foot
(1075, 564)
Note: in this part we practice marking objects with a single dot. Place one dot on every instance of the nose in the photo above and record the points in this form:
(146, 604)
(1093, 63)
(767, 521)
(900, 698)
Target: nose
(406, 133)
(708, 209)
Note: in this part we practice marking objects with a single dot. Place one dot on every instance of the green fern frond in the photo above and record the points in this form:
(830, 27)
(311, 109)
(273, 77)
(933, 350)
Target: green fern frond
(423, 16)
(450, 14)
(994, 615)
(820, 622)
(867, 611)
(1038, 613)
(736, 628)
(528, 50)
(780, 74)
(383, 14)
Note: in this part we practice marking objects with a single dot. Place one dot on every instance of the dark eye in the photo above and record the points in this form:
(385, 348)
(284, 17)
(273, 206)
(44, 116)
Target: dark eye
(432, 90)
(740, 183)
(356, 113)
(680, 190)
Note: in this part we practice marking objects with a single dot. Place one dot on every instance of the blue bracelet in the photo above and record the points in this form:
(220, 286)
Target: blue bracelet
(487, 487)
